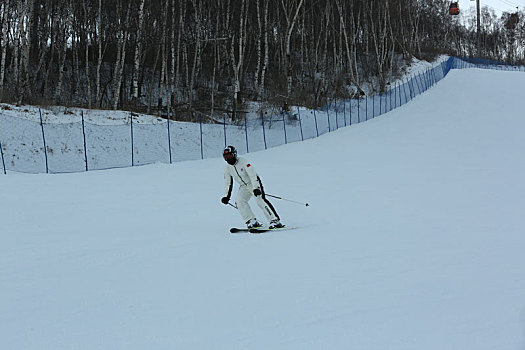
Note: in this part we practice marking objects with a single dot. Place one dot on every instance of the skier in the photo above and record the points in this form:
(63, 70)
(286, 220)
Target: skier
(249, 184)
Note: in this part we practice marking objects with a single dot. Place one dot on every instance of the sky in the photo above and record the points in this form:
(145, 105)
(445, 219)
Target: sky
(413, 239)
(499, 6)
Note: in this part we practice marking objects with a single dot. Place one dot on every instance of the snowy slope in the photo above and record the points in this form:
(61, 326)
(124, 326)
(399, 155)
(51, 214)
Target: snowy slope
(413, 240)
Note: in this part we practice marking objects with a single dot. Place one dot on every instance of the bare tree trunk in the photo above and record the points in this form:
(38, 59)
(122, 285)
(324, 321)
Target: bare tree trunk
(164, 59)
(324, 60)
(86, 53)
(152, 80)
(121, 57)
(75, 76)
(138, 53)
(26, 46)
(62, 60)
(258, 46)
(215, 63)
(52, 45)
(238, 60)
(197, 53)
(349, 45)
(174, 53)
(266, 52)
(4, 43)
(381, 41)
(19, 51)
(288, 60)
(99, 62)
(182, 13)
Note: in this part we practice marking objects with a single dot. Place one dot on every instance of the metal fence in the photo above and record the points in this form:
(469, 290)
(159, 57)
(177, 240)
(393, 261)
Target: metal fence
(32, 147)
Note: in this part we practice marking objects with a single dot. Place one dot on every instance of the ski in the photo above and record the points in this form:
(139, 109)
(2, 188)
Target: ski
(262, 230)
(237, 230)
(259, 229)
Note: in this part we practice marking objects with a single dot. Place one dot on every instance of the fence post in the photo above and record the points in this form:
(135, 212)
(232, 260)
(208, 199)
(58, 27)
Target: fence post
(300, 123)
(336, 115)
(344, 111)
(200, 128)
(264, 132)
(423, 83)
(410, 88)
(246, 132)
(388, 97)
(391, 94)
(358, 109)
(224, 123)
(2, 153)
(404, 91)
(328, 115)
(399, 85)
(380, 103)
(395, 95)
(373, 107)
(366, 108)
(350, 99)
(131, 126)
(414, 85)
(84, 135)
(419, 88)
(44, 138)
(284, 127)
(169, 135)
(316, 128)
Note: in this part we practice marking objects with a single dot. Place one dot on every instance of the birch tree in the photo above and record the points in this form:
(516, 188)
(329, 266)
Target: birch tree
(64, 28)
(122, 38)
(4, 12)
(138, 52)
(100, 38)
(237, 50)
(86, 39)
(349, 43)
(291, 18)
(381, 38)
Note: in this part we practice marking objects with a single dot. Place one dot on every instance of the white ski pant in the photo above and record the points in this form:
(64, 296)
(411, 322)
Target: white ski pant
(243, 196)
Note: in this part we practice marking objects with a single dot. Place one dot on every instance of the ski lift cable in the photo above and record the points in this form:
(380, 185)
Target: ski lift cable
(494, 8)
(508, 2)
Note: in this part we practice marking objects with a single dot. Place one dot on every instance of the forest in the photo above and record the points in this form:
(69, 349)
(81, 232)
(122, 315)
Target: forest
(216, 57)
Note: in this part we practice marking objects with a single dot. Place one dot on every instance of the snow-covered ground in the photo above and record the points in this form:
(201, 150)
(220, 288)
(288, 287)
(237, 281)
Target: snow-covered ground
(413, 240)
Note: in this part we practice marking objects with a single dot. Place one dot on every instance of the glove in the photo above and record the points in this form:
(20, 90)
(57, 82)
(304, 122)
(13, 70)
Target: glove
(225, 200)
(257, 192)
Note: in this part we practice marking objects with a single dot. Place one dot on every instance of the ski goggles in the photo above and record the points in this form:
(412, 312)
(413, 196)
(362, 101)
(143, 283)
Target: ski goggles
(228, 155)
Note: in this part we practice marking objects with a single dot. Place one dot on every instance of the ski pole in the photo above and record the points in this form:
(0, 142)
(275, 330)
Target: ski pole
(233, 205)
(288, 200)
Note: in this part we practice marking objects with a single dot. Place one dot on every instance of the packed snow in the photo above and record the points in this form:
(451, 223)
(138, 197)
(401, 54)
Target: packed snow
(413, 240)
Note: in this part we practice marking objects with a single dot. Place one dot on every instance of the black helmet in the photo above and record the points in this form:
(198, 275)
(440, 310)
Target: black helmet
(230, 155)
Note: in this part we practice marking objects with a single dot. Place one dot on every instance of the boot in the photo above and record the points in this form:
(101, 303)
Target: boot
(253, 223)
(276, 224)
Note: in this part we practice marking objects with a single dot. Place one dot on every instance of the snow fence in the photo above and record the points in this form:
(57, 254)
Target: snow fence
(38, 147)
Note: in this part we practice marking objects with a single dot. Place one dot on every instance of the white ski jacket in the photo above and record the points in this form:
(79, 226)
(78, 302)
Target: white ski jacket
(243, 173)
